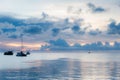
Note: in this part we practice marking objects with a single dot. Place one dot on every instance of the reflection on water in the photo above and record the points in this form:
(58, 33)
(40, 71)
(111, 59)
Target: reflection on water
(65, 67)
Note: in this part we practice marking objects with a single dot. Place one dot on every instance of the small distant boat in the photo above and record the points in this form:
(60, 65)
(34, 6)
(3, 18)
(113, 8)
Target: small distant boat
(21, 54)
(8, 53)
(89, 51)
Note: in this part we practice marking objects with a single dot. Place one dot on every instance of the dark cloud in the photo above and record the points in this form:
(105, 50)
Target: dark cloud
(77, 30)
(55, 31)
(13, 36)
(33, 30)
(59, 43)
(95, 9)
(10, 25)
(114, 28)
(11, 20)
(37, 28)
(95, 32)
(55, 45)
(6, 30)
(99, 46)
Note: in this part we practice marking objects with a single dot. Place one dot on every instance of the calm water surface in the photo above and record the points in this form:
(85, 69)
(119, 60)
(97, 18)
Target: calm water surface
(104, 65)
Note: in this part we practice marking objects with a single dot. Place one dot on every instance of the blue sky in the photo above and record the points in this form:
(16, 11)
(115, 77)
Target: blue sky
(75, 21)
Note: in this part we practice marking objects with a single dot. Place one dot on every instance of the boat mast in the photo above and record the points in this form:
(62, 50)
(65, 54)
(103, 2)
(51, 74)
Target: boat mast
(21, 42)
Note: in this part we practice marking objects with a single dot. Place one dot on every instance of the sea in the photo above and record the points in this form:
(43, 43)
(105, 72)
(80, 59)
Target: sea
(79, 65)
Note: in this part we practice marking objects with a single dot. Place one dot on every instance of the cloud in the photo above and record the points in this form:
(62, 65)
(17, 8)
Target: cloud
(62, 45)
(95, 9)
(6, 30)
(36, 26)
(10, 26)
(55, 31)
(77, 30)
(59, 44)
(13, 36)
(33, 30)
(113, 28)
(11, 20)
(95, 32)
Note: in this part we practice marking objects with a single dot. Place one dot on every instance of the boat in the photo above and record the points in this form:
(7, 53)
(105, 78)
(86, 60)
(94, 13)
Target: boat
(8, 53)
(89, 51)
(21, 53)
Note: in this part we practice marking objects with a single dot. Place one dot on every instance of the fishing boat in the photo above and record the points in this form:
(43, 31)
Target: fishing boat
(89, 51)
(22, 53)
(8, 53)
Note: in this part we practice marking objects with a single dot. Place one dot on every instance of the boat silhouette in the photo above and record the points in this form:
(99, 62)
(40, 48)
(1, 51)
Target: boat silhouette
(89, 52)
(8, 53)
(22, 53)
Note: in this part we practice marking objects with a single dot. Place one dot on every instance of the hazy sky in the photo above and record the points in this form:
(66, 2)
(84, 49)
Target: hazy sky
(82, 20)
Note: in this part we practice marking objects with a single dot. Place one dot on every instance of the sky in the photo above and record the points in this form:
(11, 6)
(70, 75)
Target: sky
(66, 22)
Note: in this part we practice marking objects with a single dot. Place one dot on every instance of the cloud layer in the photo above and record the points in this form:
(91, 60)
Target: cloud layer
(47, 29)
(62, 45)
